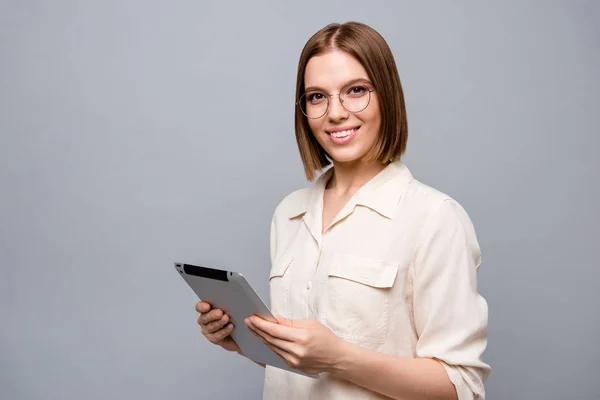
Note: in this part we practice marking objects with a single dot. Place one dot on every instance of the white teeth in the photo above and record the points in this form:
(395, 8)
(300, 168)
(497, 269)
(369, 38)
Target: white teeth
(342, 134)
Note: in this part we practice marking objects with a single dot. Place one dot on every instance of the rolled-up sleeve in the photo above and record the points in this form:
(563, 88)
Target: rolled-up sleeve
(451, 318)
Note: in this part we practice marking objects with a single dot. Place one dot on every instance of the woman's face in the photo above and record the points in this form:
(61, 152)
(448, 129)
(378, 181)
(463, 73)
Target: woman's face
(346, 136)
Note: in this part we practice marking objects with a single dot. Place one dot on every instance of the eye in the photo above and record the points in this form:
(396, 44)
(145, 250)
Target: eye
(357, 91)
(315, 97)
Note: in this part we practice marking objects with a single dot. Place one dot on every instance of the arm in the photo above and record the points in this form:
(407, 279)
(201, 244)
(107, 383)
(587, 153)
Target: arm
(396, 377)
(311, 347)
(450, 316)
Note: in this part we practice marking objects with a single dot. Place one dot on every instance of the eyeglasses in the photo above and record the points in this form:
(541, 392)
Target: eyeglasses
(354, 98)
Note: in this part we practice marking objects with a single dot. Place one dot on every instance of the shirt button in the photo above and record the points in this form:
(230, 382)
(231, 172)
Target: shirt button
(308, 285)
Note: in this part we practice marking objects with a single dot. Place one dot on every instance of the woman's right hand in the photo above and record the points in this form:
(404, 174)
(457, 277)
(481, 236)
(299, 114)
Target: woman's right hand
(216, 326)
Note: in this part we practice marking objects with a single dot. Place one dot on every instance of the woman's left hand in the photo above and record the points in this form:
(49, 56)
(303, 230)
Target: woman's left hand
(306, 345)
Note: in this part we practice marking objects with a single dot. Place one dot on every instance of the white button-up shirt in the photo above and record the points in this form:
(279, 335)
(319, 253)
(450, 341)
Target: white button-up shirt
(395, 272)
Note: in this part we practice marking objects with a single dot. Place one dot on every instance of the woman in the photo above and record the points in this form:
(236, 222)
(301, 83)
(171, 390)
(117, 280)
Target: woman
(374, 274)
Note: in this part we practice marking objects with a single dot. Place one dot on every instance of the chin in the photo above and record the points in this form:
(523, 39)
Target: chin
(345, 157)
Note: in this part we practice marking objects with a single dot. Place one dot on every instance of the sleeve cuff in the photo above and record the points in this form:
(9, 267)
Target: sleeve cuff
(464, 390)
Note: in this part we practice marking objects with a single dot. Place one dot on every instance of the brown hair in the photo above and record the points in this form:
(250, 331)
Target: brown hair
(371, 50)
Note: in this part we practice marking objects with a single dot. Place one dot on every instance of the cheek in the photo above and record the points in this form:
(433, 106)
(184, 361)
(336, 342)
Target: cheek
(315, 126)
(375, 112)
(373, 118)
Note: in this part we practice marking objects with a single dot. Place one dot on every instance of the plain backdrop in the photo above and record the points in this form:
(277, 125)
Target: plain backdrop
(138, 133)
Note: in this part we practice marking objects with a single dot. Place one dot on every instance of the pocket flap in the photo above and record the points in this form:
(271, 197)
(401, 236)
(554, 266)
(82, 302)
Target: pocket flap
(281, 265)
(369, 272)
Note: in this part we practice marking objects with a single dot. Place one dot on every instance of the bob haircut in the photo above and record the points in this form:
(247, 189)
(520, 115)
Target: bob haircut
(369, 48)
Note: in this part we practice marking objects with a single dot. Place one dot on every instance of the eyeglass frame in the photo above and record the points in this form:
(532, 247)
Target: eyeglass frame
(330, 95)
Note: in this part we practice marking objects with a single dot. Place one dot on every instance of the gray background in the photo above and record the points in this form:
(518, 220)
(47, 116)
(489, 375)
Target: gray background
(137, 133)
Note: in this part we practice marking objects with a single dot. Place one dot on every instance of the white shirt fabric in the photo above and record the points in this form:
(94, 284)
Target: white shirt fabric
(395, 272)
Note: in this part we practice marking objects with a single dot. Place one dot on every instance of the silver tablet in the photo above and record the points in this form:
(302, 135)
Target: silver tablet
(230, 292)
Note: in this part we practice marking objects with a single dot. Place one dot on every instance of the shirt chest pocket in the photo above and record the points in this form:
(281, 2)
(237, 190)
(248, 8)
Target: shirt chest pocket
(356, 297)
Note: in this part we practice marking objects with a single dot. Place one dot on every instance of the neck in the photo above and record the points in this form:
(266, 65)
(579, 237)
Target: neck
(349, 177)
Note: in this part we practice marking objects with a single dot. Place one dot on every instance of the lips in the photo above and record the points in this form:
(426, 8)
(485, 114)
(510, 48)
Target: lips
(343, 135)
(342, 132)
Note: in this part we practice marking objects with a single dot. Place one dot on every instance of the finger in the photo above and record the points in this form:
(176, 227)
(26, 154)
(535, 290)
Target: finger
(211, 316)
(216, 325)
(288, 347)
(279, 331)
(295, 323)
(287, 357)
(205, 319)
(202, 307)
(220, 335)
(284, 321)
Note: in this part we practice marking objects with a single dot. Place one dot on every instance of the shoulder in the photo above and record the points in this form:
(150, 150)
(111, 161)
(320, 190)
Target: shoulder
(427, 200)
(443, 219)
(435, 208)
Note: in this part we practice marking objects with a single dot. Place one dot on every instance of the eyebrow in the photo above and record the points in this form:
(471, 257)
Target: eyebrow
(350, 82)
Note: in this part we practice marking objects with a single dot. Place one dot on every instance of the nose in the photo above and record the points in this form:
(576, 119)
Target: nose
(336, 109)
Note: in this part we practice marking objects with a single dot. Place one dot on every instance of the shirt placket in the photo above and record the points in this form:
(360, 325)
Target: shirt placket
(313, 284)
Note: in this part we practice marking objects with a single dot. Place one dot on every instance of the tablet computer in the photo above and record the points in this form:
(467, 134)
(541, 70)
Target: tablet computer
(230, 292)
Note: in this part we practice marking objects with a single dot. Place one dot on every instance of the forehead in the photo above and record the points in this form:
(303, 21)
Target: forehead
(331, 71)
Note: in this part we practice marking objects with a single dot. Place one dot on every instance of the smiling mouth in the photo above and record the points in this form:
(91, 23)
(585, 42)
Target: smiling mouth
(343, 134)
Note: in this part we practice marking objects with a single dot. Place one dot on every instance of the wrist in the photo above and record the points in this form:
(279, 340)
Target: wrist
(344, 353)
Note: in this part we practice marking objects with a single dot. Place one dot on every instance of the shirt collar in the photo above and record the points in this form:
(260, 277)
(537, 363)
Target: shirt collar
(381, 193)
